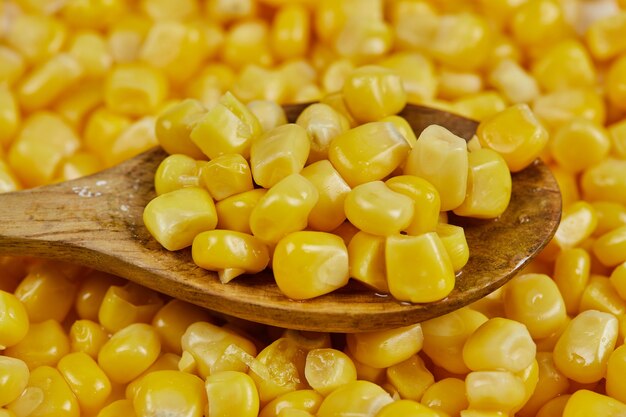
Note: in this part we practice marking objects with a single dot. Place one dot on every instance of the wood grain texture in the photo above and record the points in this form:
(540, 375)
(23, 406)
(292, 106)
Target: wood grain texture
(96, 221)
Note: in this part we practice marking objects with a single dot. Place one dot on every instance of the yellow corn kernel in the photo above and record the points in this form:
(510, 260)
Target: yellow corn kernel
(127, 304)
(417, 73)
(600, 295)
(335, 74)
(461, 41)
(414, 24)
(488, 185)
(259, 83)
(118, 408)
(229, 253)
(445, 336)
(617, 134)
(79, 165)
(184, 46)
(615, 386)
(539, 23)
(91, 293)
(453, 239)
(328, 213)
(520, 142)
(304, 400)
(278, 153)
(48, 81)
(583, 349)
(102, 128)
(44, 344)
(129, 352)
(308, 264)
(556, 108)
(550, 384)
(231, 393)
(605, 181)
(308, 340)
(170, 392)
(441, 158)
(513, 82)
(14, 325)
(290, 31)
(165, 362)
(403, 127)
(247, 42)
(89, 48)
(502, 47)
(610, 248)
(322, 124)
(216, 348)
(175, 218)
(588, 403)
(278, 369)
(229, 127)
(480, 106)
(366, 256)
(554, 407)
(576, 137)
(175, 172)
(327, 369)
(446, 395)
(494, 391)
(571, 275)
(373, 92)
(233, 213)
(8, 183)
(406, 408)
(618, 279)
(337, 102)
(45, 38)
(427, 203)
(87, 336)
(226, 175)
(363, 40)
(605, 36)
(174, 125)
(565, 65)
(269, 114)
(135, 89)
(172, 320)
(46, 293)
(10, 117)
(14, 379)
(87, 381)
(126, 37)
(410, 378)
(375, 208)
(499, 343)
(368, 152)
(94, 14)
(230, 11)
(457, 84)
(535, 301)
(47, 394)
(11, 65)
(358, 398)
(385, 348)
(421, 278)
(284, 209)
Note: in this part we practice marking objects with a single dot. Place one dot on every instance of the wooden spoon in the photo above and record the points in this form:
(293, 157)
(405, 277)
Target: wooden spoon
(96, 221)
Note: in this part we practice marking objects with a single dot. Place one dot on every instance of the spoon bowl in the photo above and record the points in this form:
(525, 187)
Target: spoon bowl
(96, 221)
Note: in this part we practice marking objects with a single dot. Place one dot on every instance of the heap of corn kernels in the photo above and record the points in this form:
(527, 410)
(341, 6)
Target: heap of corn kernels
(81, 83)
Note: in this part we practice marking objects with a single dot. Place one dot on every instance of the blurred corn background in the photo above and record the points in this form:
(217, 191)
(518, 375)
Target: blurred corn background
(81, 85)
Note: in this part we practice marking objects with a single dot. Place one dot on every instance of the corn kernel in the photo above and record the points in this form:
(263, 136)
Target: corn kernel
(550, 384)
(86, 380)
(175, 172)
(335, 74)
(304, 400)
(135, 89)
(446, 395)
(269, 113)
(616, 367)
(173, 128)
(10, 117)
(47, 393)
(127, 304)
(605, 38)
(225, 12)
(165, 362)
(290, 32)
(534, 300)
(373, 92)
(513, 82)
(44, 39)
(118, 408)
(499, 343)
(554, 407)
(135, 139)
(328, 369)
(11, 65)
(588, 403)
(170, 392)
(226, 175)
(600, 295)
(480, 106)
(15, 324)
(233, 213)
(385, 348)
(93, 14)
(322, 124)
(172, 320)
(247, 42)
(461, 41)
(456, 84)
(44, 344)
(571, 275)
(445, 336)
(406, 408)
(359, 398)
(418, 75)
(87, 336)
(494, 391)
(427, 203)
(308, 264)
(565, 65)
(366, 255)
(605, 181)
(410, 378)
(285, 208)
(576, 137)
(229, 127)
(618, 279)
(539, 23)
(14, 379)
(175, 218)
(91, 51)
(363, 40)
(441, 158)
(610, 247)
(453, 239)
(129, 352)
(414, 23)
